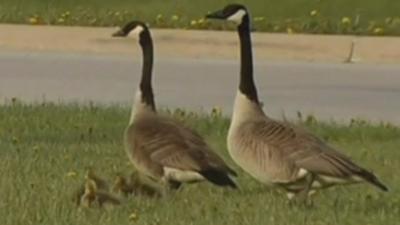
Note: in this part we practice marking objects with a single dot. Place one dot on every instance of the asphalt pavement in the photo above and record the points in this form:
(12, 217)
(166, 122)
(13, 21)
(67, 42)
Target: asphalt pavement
(327, 90)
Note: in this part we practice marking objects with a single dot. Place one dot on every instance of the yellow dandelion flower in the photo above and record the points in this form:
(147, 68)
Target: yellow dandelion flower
(193, 23)
(117, 13)
(388, 20)
(346, 20)
(276, 28)
(175, 17)
(33, 20)
(159, 18)
(378, 30)
(258, 19)
(314, 12)
(201, 21)
(94, 20)
(60, 20)
(133, 217)
(72, 174)
(67, 13)
(289, 30)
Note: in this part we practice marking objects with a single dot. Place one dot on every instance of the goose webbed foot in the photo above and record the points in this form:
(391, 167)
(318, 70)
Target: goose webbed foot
(170, 186)
(303, 197)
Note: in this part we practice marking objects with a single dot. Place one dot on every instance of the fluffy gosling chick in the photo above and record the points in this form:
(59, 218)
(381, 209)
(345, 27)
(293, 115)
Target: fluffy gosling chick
(121, 186)
(134, 185)
(101, 183)
(93, 196)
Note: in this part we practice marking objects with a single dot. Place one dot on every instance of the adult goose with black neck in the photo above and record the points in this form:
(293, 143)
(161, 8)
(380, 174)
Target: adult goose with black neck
(160, 147)
(278, 153)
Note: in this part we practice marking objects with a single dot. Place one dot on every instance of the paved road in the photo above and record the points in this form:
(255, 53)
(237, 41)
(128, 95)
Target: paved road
(339, 91)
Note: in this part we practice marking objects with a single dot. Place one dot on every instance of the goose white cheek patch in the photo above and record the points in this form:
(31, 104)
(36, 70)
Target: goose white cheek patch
(238, 16)
(135, 32)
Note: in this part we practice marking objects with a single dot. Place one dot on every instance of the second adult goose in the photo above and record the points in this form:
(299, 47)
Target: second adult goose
(162, 148)
(278, 153)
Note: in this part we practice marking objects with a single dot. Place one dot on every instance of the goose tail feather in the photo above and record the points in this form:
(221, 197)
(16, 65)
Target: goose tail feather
(219, 178)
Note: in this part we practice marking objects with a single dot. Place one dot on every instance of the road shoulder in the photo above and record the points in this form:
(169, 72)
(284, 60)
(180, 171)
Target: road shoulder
(202, 44)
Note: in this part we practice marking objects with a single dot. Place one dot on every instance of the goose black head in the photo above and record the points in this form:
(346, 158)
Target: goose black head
(136, 28)
(231, 12)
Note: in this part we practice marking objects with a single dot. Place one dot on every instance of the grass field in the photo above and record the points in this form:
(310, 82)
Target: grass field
(41, 144)
(306, 16)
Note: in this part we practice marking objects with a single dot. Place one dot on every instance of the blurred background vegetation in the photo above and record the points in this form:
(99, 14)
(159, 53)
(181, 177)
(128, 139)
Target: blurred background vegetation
(360, 17)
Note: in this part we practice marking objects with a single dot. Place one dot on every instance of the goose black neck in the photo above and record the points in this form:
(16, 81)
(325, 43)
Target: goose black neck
(145, 83)
(246, 86)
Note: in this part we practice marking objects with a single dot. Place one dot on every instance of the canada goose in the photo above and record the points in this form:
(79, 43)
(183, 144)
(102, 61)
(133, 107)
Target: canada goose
(92, 196)
(121, 186)
(100, 182)
(159, 147)
(278, 153)
(133, 185)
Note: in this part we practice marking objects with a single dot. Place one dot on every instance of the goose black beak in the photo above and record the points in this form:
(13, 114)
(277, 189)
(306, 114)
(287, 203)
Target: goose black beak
(118, 33)
(216, 15)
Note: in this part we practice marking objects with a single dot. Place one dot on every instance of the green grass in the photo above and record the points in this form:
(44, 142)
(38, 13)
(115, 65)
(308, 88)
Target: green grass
(364, 16)
(40, 144)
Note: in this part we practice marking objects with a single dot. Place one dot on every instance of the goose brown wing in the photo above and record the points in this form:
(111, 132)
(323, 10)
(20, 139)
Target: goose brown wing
(305, 150)
(316, 156)
(171, 144)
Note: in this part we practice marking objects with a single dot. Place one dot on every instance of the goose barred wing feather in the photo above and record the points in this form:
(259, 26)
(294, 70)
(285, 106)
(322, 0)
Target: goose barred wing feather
(170, 144)
(304, 149)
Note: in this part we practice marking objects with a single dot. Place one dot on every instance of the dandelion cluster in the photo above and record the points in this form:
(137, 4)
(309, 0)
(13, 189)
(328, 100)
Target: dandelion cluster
(313, 21)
